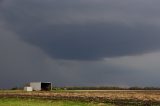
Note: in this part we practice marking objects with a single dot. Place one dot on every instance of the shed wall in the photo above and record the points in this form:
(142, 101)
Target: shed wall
(36, 86)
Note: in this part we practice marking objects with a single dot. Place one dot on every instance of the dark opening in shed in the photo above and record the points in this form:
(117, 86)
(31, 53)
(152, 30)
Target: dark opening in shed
(46, 86)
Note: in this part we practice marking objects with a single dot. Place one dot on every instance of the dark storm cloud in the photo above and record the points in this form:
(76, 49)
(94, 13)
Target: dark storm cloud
(36, 34)
(94, 41)
(86, 30)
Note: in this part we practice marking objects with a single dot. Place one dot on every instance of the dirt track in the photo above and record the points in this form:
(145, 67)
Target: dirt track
(140, 97)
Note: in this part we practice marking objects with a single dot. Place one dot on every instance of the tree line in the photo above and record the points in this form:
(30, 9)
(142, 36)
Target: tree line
(106, 88)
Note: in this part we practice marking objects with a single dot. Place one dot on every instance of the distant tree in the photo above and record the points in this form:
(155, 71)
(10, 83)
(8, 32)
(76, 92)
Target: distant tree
(14, 88)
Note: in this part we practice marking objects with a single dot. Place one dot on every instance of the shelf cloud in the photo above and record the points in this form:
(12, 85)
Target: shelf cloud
(86, 30)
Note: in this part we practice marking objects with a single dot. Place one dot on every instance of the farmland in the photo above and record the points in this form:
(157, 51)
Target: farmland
(123, 97)
(38, 102)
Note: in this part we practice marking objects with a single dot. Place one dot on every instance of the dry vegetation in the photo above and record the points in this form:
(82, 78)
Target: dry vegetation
(107, 96)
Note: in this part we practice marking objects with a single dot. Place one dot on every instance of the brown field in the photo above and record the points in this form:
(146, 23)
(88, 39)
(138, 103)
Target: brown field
(103, 96)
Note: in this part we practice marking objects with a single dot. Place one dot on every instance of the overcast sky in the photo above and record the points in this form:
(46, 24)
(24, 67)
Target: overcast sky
(80, 42)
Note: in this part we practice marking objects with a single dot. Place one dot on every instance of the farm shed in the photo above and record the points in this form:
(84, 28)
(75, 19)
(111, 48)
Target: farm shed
(28, 89)
(41, 86)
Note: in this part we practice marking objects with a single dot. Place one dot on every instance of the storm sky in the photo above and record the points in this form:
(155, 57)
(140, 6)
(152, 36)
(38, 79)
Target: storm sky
(80, 42)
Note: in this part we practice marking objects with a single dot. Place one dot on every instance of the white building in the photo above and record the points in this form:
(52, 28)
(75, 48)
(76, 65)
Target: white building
(41, 86)
(28, 89)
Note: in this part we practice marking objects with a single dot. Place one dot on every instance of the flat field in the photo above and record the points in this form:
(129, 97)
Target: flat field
(40, 102)
(120, 97)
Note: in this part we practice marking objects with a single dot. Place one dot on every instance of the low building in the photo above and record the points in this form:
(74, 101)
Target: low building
(28, 89)
(41, 86)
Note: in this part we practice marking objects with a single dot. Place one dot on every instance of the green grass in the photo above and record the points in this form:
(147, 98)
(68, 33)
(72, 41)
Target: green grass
(38, 102)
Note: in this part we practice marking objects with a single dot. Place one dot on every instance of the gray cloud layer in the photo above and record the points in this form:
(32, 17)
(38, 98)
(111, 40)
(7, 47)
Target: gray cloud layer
(86, 30)
(43, 40)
